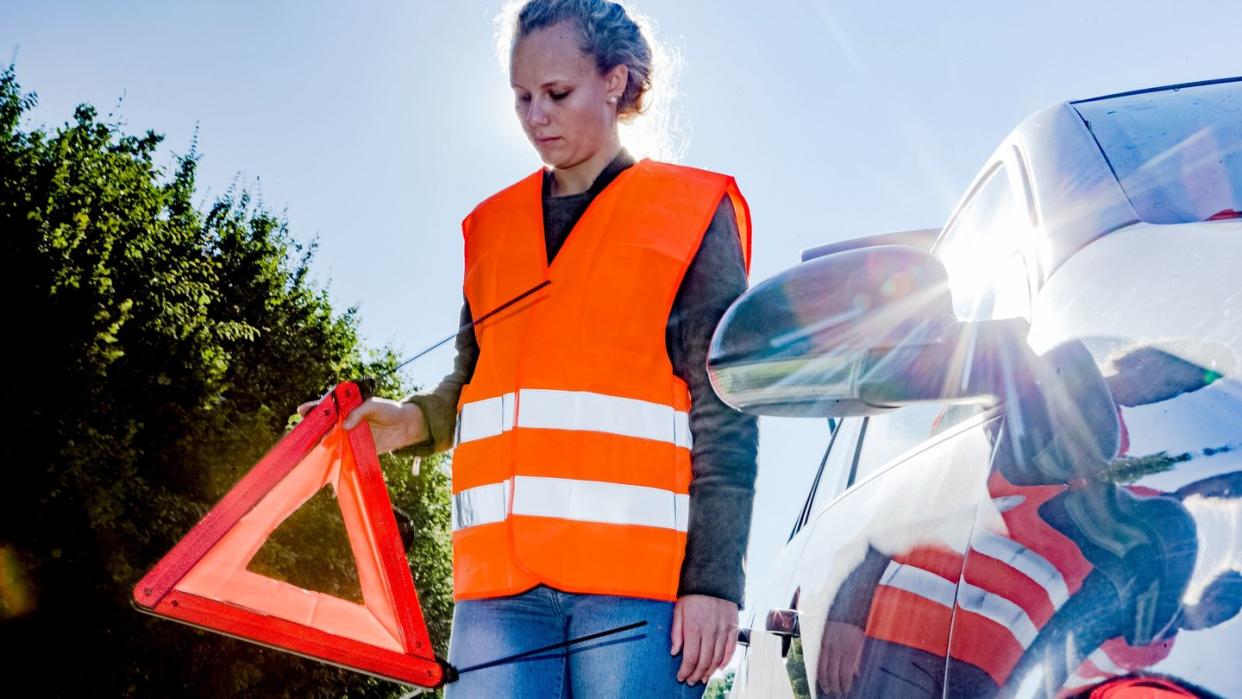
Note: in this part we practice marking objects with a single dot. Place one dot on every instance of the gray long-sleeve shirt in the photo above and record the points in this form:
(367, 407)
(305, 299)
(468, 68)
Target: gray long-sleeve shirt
(723, 457)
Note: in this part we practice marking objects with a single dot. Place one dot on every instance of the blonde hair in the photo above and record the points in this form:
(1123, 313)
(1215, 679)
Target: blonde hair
(612, 35)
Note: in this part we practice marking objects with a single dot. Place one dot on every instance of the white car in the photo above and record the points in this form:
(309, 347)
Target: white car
(1034, 482)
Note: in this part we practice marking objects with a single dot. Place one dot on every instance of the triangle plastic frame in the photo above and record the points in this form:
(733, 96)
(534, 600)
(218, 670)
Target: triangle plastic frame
(186, 584)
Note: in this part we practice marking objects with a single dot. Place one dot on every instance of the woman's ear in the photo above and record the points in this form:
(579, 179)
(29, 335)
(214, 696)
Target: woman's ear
(615, 80)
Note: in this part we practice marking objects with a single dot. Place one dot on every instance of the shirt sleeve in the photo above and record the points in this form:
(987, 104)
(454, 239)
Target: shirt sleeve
(440, 406)
(726, 442)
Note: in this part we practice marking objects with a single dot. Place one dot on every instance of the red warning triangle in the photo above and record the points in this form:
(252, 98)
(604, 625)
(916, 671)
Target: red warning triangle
(203, 580)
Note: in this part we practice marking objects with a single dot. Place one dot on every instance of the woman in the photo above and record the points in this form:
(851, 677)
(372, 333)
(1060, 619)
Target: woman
(571, 412)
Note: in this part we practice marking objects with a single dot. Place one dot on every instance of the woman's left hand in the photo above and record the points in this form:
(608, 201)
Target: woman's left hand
(705, 633)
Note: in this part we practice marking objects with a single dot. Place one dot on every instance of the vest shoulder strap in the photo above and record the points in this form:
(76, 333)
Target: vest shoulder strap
(516, 197)
(681, 176)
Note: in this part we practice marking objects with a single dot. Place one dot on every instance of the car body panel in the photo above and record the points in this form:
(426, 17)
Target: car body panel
(762, 672)
(920, 508)
(1167, 334)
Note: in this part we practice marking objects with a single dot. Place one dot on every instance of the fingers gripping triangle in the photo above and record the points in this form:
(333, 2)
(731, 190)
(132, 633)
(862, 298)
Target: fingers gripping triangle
(203, 580)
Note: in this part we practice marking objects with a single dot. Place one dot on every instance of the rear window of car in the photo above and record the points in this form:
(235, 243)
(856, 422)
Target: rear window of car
(1177, 152)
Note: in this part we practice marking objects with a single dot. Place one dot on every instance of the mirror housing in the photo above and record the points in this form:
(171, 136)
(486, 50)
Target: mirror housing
(921, 238)
(854, 333)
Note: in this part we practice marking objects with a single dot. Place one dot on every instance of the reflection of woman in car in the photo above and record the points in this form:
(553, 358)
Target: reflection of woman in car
(1212, 596)
(1071, 574)
(1059, 570)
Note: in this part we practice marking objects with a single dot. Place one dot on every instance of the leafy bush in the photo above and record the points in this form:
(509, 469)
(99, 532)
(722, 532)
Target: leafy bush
(159, 350)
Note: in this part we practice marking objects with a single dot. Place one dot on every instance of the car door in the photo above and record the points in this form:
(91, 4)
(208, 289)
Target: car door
(877, 580)
(1120, 561)
(899, 529)
(764, 670)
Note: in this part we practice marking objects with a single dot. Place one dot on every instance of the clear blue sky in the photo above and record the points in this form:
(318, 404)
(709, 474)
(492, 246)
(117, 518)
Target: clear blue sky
(376, 126)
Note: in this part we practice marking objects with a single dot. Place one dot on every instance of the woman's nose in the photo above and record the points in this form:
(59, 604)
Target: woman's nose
(536, 115)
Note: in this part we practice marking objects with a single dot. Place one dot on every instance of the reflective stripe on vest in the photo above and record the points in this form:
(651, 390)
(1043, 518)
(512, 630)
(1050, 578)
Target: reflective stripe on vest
(935, 589)
(564, 498)
(1000, 610)
(1025, 561)
(1006, 591)
(573, 410)
(923, 583)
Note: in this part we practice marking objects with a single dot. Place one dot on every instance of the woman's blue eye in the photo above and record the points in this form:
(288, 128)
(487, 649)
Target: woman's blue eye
(558, 96)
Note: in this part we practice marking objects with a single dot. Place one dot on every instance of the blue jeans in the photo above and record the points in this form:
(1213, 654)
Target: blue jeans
(634, 663)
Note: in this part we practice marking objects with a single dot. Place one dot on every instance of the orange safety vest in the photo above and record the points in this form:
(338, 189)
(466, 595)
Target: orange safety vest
(571, 465)
(1012, 583)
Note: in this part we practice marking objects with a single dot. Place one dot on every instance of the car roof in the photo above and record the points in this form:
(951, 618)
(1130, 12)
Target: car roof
(1162, 88)
(921, 238)
(1072, 189)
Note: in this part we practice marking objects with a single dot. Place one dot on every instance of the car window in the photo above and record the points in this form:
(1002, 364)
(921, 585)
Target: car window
(838, 463)
(888, 435)
(985, 248)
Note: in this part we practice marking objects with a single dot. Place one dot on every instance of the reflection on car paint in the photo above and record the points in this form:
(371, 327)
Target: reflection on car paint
(1085, 531)
(1065, 584)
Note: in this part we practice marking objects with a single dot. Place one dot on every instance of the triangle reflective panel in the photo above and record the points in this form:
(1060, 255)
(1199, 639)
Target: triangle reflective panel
(203, 581)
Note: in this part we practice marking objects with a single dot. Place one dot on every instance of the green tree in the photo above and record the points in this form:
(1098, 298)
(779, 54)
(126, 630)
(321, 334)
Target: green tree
(160, 349)
(720, 686)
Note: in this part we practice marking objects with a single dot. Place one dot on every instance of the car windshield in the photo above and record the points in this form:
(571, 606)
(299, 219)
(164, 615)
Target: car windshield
(1176, 151)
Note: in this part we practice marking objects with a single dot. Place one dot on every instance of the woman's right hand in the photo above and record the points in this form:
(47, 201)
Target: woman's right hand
(840, 657)
(393, 424)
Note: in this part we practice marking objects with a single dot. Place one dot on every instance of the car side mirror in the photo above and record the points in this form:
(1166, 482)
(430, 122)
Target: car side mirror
(855, 333)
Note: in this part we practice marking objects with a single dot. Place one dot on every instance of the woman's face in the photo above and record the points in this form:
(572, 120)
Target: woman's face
(561, 98)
